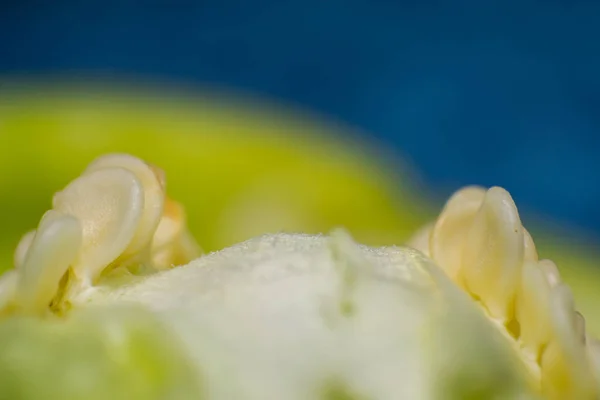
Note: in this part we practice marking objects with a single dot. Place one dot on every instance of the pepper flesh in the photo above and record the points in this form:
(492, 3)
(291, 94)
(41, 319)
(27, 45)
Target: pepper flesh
(291, 316)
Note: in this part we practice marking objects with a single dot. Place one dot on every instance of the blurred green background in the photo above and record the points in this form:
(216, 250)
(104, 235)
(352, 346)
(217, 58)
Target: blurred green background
(241, 166)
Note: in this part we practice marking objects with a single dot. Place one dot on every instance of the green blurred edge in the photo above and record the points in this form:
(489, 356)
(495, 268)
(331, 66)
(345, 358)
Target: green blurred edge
(30, 106)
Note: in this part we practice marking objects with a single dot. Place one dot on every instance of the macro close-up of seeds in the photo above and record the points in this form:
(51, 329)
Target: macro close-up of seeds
(111, 297)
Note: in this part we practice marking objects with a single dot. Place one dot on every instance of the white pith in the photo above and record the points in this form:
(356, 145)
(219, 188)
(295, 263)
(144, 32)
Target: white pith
(116, 216)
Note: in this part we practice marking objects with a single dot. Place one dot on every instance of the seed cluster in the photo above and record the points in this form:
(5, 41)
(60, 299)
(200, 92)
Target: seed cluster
(479, 241)
(116, 215)
(116, 218)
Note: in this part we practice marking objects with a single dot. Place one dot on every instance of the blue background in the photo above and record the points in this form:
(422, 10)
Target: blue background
(488, 92)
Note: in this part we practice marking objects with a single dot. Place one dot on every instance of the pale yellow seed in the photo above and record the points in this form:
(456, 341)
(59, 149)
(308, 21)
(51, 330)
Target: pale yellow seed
(23, 248)
(449, 234)
(109, 204)
(153, 183)
(54, 248)
(493, 253)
